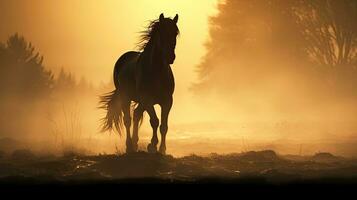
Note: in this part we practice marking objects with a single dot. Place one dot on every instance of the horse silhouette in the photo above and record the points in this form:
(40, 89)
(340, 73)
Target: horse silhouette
(143, 79)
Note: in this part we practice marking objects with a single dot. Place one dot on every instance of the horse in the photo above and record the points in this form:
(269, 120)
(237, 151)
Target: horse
(143, 79)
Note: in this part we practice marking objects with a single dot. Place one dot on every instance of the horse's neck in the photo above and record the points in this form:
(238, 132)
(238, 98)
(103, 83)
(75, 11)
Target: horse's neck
(154, 74)
(152, 58)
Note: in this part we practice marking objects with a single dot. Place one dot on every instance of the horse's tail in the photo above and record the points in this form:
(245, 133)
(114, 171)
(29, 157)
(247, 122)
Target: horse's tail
(114, 118)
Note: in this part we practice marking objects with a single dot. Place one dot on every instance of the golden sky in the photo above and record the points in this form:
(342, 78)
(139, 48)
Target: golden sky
(88, 36)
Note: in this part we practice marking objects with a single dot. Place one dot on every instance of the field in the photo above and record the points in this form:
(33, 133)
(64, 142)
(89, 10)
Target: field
(263, 167)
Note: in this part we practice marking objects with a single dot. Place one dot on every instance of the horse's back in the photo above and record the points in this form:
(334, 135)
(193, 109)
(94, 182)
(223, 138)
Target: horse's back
(136, 82)
(124, 69)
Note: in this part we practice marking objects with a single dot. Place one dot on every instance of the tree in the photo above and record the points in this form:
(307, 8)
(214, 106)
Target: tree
(330, 29)
(25, 85)
(313, 41)
(65, 81)
(22, 70)
(246, 36)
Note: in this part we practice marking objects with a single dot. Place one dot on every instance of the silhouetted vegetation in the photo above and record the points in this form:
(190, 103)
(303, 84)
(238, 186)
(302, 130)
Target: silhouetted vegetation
(251, 41)
(29, 91)
(22, 72)
(67, 84)
(330, 29)
(24, 82)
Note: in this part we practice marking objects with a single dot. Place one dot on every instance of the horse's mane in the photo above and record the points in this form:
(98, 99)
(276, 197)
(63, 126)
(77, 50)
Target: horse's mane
(147, 34)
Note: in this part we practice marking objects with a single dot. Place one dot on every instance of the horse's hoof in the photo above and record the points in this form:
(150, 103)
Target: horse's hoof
(151, 148)
(135, 147)
(129, 148)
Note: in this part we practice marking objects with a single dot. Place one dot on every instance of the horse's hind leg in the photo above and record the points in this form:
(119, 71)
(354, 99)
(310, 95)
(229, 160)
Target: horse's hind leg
(138, 113)
(154, 121)
(127, 123)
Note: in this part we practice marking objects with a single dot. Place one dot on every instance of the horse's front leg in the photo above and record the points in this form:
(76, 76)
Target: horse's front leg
(165, 110)
(138, 114)
(154, 122)
(127, 124)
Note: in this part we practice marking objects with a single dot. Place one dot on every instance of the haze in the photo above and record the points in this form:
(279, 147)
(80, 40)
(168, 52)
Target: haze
(251, 102)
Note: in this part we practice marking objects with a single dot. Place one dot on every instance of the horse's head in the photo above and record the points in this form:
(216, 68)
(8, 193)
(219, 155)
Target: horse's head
(168, 32)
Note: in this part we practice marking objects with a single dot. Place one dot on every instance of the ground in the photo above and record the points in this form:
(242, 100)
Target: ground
(266, 167)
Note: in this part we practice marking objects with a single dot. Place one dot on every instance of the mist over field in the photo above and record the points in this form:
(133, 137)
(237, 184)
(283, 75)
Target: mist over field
(250, 75)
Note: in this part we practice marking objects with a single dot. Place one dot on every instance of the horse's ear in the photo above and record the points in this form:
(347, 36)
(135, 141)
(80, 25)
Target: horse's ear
(176, 18)
(161, 17)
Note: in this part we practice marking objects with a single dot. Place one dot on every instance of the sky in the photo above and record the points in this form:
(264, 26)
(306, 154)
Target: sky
(86, 37)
